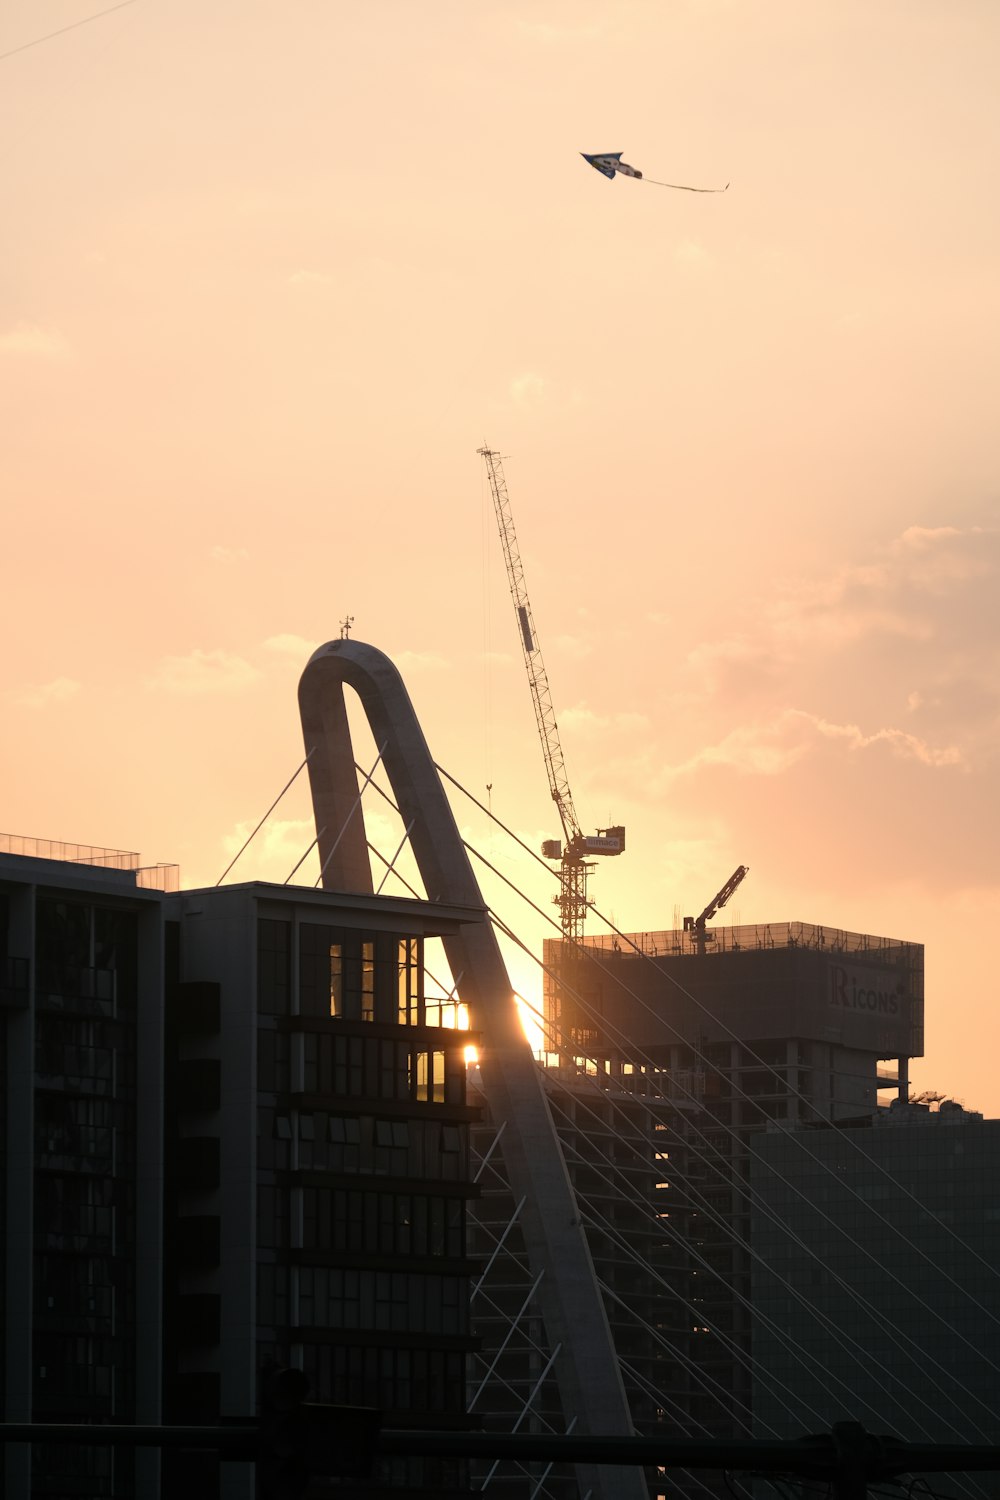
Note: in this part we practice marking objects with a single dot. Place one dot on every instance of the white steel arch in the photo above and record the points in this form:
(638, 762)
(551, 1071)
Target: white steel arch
(576, 1323)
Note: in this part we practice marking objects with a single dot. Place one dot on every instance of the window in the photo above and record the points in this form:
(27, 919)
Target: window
(272, 1217)
(311, 1046)
(321, 970)
(394, 1076)
(345, 1144)
(392, 1154)
(388, 1301)
(274, 960)
(272, 1061)
(367, 981)
(317, 1218)
(272, 1295)
(454, 1077)
(428, 1076)
(336, 979)
(348, 1065)
(409, 997)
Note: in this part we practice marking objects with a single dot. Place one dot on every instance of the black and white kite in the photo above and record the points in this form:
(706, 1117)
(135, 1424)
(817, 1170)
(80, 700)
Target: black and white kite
(610, 162)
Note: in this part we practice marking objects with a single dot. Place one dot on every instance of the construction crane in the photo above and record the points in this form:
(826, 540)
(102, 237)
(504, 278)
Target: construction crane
(696, 925)
(576, 854)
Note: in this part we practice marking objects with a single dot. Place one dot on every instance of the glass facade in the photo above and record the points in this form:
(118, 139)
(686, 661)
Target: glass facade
(362, 1177)
(84, 1312)
(878, 1251)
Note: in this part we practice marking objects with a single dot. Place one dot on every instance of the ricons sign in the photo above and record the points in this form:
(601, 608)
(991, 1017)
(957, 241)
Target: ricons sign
(852, 989)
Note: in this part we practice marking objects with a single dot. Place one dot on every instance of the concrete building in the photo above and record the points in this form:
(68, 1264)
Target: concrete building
(236, 1137)
(879, 1249)
(317, 1167)
(786, 1022)
(81, 999)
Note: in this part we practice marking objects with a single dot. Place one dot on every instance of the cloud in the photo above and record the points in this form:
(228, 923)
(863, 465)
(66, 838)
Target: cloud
(282, 850)
(527, 389)
(30, 341)
(773, 746)
(203, 674)
(59, 690)
(274, 852)
(890, 593)
(420, 661)
(922, 538)
(291, 645)
(926, 607)
(933, 560)
(907, 746)
(920, 562)
(735, 658)
(573, 646)
(583, 720)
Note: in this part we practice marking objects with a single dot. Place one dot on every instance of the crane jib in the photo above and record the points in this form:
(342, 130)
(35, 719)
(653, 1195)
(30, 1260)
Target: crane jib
(526, 636)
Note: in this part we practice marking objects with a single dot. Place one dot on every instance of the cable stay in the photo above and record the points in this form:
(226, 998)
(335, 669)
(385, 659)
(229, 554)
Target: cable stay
(599, 1220)
(728, 1031)
(703, 1206)
(859, 1351)
(692, 1098)
(263, 820)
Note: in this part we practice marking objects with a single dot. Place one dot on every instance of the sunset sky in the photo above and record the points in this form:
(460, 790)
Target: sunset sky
(272, 270)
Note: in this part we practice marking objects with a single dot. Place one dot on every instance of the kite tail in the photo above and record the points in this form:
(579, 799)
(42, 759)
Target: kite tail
(683, 187)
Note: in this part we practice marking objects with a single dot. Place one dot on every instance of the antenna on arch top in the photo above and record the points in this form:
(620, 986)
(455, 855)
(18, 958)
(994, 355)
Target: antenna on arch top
(345, 627)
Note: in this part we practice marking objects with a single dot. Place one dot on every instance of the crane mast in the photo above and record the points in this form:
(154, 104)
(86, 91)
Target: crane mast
(575, 856)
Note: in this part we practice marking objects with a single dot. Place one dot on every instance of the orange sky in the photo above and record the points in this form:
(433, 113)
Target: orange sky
(273, 271)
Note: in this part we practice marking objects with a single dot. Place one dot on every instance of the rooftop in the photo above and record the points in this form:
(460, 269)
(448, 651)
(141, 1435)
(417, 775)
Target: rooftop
(147, 877)
(757, 936)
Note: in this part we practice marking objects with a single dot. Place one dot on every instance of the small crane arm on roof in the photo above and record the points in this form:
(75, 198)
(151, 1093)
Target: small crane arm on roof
(575, 858)
(696, 925)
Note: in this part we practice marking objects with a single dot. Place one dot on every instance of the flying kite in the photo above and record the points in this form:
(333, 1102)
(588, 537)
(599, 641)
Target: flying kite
(610, 162)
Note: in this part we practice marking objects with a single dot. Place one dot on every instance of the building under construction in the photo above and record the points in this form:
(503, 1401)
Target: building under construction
(792, 1023)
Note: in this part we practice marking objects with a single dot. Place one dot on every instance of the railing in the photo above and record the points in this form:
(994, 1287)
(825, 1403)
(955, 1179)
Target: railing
(78, 854)
(748, 936)
(160, 877)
